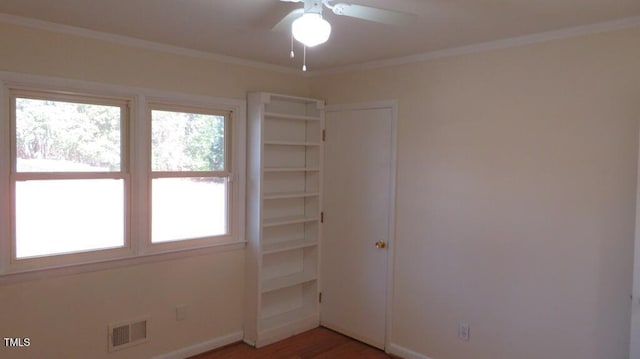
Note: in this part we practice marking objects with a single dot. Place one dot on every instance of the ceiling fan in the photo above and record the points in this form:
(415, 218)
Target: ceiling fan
(311, 29)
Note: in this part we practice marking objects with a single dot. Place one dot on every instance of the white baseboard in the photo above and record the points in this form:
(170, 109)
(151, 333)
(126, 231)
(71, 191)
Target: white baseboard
(405, 353)
(251, 343)
(203, 347)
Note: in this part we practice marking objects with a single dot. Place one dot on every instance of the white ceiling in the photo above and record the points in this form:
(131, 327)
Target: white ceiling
(239, 28)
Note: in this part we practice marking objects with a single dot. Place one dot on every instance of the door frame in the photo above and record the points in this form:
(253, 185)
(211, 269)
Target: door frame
(393, 106)
(634, 340)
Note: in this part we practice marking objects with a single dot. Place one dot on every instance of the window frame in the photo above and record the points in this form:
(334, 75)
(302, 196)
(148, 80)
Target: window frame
(227, 173)
(123, 174)
(136, 161)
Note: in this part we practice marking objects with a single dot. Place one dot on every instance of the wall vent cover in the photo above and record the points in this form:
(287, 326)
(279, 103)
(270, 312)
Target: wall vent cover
(126, 334)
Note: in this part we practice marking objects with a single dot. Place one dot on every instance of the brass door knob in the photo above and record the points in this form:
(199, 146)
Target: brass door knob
(381, 244)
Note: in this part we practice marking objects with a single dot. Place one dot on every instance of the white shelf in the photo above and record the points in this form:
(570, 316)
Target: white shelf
(291, 169)
(288, 245)
(291, 117)
(291, 143)
(272, 222)
(285, 195)
(271, 285)
(284, 159)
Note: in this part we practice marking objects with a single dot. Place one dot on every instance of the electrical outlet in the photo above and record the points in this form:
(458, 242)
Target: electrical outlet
(181, 312)
(463, 331)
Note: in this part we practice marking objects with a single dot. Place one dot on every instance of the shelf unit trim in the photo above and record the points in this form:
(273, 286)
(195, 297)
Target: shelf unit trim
(286, 116)
(299, 99)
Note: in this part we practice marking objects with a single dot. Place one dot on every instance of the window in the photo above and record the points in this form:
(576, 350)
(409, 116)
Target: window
(115, 173)
(69, 174)
(190, 174)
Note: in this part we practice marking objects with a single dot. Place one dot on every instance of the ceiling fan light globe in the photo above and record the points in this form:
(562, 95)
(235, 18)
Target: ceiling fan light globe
(311, 29)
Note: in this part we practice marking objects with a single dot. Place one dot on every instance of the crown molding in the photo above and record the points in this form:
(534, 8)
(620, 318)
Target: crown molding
(625, 23)
(620, 24)
(144, 44)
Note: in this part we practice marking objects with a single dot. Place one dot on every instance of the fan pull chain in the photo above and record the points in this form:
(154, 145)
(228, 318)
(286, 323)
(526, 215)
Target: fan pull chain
(304, 58)
(292, 55)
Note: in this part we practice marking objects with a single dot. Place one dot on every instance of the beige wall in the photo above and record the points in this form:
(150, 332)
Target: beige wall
(67, 317)
(516, 197)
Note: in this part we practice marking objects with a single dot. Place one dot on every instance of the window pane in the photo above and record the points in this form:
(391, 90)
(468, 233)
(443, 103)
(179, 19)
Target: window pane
(187, 141)
(187, 208)
(63, 216)
(56, 136)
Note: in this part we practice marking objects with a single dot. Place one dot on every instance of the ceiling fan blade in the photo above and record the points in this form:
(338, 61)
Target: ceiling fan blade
(369, 13)
(285, 23)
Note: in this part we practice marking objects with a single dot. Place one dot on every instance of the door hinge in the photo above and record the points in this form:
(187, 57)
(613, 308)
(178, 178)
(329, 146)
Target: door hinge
(320, 297)
(321, 217)
(324, 135)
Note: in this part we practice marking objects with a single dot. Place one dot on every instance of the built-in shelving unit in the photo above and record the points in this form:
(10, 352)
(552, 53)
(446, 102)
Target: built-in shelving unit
(283, 216)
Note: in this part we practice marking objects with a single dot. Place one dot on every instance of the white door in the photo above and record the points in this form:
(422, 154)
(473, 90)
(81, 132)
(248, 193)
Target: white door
(635, 296)
(358, 208)
(635, 306)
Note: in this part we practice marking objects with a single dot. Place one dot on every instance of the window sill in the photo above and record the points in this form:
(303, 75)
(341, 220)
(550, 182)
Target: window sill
(108, 264)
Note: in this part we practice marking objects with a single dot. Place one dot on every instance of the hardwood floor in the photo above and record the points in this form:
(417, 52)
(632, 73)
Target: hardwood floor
(319, 343)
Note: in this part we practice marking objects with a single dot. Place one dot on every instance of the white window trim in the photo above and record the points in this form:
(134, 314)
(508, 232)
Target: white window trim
(140, 249)
(230, 168)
